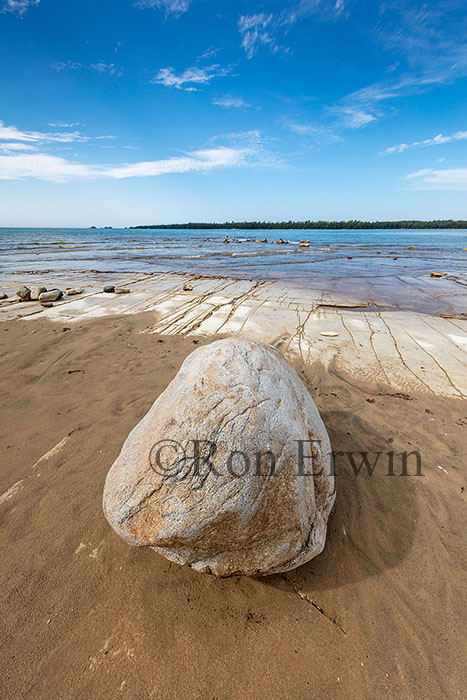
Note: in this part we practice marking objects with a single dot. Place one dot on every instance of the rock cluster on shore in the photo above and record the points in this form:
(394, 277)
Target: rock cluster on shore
(44, 296)
(230, 472)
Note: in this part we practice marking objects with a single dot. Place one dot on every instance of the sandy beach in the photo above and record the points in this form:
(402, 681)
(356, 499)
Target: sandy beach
(381, 613)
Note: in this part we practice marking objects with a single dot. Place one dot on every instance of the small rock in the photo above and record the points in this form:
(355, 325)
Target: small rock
(329, 334)
(436, 274)
(73, 292)
(46, 304)
(187, 287)
(122, 290)
(51, 295)
(36, 292)
(109, 289)
(411, 247)
(3, 296)
(24, 293)
(304, 244)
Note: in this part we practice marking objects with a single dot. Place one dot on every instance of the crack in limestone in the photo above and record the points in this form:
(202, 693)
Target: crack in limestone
(372, 332)
(461, 395)
(401, 358)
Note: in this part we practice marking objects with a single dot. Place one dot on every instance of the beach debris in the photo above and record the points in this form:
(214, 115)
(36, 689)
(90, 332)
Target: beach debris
(187, 287)
(329, 334)
(304, 244)
(122, 290)
(109, 289)
(3, 296)
(436, 274)
(50, 295)
(211, 477)
(24, 293)
(36, 292)
(73, 292)
(46, 304)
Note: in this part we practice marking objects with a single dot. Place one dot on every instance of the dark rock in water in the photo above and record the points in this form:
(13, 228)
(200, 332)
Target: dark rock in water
(46, 304)
(122, 290)
(436, 274)
(109, 289)
(36, 292)
(24, 293)
(3, 296)
(51, 295)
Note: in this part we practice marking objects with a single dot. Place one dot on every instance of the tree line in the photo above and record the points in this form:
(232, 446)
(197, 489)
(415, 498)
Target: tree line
(310, 225)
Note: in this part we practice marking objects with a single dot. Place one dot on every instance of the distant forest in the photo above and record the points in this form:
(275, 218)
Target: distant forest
(310, 225)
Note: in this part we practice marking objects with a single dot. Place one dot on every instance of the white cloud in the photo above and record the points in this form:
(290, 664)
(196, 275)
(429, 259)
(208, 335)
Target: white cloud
(44, 166)
(11, 133)
(189, 77)
(105, 68)
(100, 67)
(258, 30)
(353, 118)
(318, 132)
(230, 102)
(170, 7)
(18, 7)
(261, 29)
(9, 147)
(449, 179)
(65, 125)
(436, 141)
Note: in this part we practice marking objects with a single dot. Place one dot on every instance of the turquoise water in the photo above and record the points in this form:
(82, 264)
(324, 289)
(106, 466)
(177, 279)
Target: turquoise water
(374, 254)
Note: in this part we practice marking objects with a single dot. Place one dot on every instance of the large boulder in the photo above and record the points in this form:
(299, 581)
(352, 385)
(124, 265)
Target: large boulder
(189, 483)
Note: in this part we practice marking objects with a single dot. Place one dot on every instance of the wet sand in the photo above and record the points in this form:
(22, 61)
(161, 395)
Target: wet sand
(381, 613)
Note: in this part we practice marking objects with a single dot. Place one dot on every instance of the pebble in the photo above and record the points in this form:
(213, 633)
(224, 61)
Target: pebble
(36, 292)
(24, 293)
(187, 287)
(3, 296)
(46, 304)
(51, 295)
(122, 290)
(72, 292)
(109, 289)
(329, 334)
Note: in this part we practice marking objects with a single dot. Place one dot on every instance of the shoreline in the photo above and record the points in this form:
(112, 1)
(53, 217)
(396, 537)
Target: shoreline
(404, 350)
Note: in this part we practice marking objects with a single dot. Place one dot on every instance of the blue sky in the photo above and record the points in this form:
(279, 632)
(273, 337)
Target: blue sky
(122, 112)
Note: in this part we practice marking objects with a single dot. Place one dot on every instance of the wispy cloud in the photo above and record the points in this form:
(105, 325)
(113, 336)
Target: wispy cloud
(353, 117)
(18, 7)
(230, 102)
(190, 77)
(65, 125)
(169, 7)
(449, 179)
(319, 133)
(99, 67)
(262, 29)
(44, 166)
(438, 140)
(11, 133)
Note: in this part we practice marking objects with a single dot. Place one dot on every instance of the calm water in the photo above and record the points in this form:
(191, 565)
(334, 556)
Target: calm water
(374, 254)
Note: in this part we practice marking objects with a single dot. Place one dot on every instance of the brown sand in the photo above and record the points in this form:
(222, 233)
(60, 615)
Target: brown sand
(380, 614)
